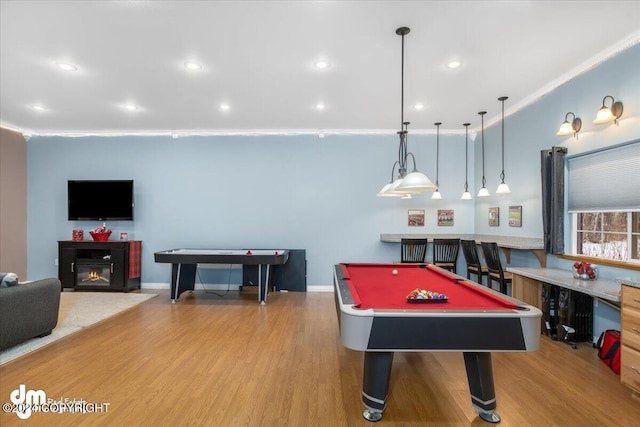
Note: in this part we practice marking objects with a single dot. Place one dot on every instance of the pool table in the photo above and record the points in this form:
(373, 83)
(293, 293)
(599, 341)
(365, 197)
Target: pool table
(185, 264)
(376, 317)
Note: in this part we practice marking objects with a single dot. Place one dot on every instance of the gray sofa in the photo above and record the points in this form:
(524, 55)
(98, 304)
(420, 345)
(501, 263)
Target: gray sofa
(28, 310)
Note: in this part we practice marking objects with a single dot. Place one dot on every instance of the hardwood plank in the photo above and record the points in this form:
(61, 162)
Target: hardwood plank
(229, 361)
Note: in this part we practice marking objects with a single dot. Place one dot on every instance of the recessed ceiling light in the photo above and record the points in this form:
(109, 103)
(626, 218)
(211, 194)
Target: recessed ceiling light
(130, 107)
(66, 67)
(193, 65)
(224, 107)
(322, 64)
(418, 107)
(39, 107)
(320, 106)
(454, 64)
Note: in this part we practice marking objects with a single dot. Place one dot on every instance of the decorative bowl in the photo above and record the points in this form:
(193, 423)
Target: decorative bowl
(100, 237)
(589, 271)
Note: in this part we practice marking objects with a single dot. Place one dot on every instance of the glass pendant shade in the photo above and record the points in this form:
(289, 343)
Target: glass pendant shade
(484, 192)
(436, 195)
(466, 196)
(393, 189)
(503, 188)
(415, 182)
(384, 192)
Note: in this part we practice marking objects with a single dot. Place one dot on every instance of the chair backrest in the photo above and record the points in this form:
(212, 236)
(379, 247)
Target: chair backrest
(492, 257)
(470, 252)
(445, 250)
(413, 250)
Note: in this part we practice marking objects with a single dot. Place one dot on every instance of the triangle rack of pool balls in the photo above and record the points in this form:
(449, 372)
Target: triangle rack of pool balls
(424, 296)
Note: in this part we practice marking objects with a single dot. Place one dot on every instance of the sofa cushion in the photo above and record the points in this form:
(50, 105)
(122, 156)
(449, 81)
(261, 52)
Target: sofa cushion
(8, 280)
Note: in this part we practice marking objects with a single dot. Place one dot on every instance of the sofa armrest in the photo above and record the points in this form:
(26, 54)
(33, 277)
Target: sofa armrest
(28, 310)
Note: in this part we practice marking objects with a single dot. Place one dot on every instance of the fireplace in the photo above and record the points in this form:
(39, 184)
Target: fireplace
(87, 265)
(97, 268)
(94, 274)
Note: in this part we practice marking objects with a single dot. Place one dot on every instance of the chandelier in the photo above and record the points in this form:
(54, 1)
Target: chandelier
(406, 183)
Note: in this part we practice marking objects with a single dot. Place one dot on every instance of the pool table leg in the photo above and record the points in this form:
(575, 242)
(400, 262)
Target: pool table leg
(377, 370)
(480, 377)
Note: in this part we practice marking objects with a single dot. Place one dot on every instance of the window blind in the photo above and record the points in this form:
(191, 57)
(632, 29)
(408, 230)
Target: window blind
(607, 180)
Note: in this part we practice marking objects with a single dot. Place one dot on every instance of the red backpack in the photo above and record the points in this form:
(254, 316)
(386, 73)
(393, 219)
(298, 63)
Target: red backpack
(609, 349)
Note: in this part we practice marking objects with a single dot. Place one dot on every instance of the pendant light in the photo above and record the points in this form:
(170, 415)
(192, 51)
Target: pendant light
(503, 188)
(484, 192)
(436, 194)
(466, 195)
(414, 182)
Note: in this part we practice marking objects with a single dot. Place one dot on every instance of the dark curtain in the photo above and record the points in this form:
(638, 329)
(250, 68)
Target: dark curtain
(552, 168)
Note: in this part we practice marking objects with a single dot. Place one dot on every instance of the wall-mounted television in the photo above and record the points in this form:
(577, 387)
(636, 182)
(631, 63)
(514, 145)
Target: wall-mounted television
(103, 200)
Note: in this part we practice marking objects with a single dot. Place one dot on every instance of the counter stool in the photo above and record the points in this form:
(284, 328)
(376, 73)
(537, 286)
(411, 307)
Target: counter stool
(413, 250)
(445, 253)
(470, 252)
(496, 273)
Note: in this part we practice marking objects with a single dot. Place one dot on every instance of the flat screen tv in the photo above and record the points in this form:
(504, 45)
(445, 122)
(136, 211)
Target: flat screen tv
(105, 200)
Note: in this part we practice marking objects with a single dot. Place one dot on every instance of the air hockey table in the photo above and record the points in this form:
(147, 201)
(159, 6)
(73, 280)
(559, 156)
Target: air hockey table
(184, 264)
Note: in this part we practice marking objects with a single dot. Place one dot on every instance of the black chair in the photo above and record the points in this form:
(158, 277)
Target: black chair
(496, 273)
(470, 252)
(413, 250)
(445, 253)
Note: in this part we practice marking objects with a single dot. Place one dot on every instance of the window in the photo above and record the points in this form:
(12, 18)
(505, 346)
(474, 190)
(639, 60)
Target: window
(609, 235)
(604, 200)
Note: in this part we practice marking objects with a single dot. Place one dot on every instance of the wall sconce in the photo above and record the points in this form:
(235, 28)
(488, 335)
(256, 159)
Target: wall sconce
(570, 127)
(466, 195)
(436, 194)
(609, 114)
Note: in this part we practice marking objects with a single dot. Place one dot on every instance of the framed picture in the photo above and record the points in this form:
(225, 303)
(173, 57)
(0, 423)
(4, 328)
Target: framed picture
(445, 217)
(494, 217)
(515, 216)
(416, 217)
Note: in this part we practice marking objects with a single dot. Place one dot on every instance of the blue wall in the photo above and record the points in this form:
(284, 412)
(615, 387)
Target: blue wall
(242, 192)
(534, 128)
(318, 194)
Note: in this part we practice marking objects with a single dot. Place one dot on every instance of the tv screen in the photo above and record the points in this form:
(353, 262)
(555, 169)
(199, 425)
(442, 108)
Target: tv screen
(100, 200)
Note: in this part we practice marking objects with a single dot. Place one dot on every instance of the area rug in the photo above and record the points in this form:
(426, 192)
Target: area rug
(77, 311)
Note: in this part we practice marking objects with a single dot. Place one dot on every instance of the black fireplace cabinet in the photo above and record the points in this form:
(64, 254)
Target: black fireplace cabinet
(87, 265)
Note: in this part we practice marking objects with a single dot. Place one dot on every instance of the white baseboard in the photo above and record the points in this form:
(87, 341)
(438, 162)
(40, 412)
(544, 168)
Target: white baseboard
(224, 287)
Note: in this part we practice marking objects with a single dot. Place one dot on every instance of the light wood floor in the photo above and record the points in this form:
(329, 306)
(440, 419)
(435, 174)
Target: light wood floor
(229, 361)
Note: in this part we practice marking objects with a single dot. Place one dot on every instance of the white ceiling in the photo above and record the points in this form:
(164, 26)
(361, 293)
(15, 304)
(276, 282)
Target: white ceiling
(258, 57)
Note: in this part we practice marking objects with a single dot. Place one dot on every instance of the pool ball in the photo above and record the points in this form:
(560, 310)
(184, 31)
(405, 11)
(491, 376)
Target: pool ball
(394, 272)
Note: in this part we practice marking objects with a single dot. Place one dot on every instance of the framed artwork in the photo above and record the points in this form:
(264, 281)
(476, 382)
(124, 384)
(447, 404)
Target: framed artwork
(494, 217)
(515, 216)
(416, 217)
(445, 217)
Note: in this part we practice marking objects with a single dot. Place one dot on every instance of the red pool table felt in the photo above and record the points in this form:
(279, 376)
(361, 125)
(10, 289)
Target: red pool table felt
(374, 286)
